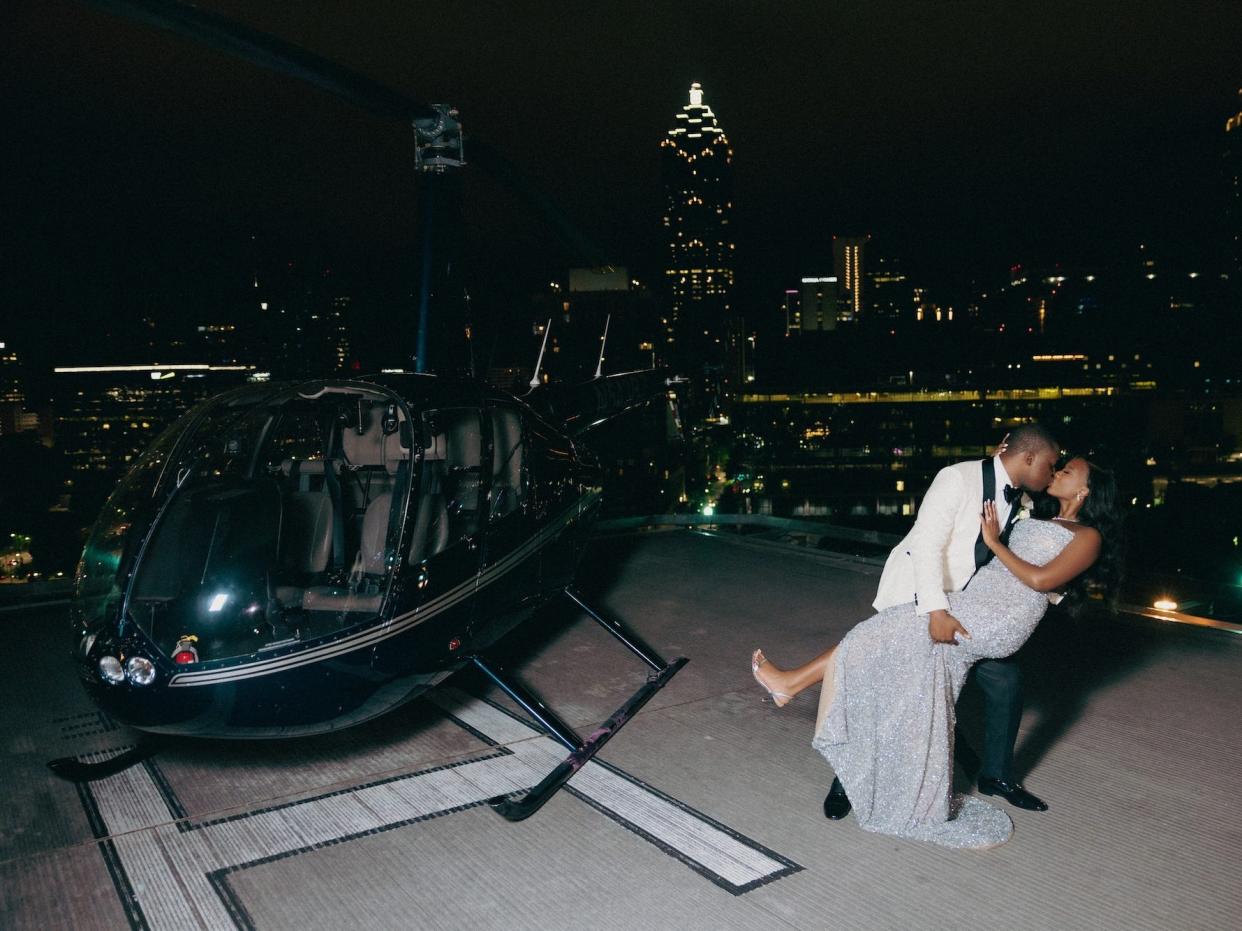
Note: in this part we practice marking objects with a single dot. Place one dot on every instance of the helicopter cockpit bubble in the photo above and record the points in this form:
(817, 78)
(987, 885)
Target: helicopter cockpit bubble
(282, 528)
(118, 530)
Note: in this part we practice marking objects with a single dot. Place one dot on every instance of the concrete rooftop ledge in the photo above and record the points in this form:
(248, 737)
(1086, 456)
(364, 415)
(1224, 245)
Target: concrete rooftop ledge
(704, 812)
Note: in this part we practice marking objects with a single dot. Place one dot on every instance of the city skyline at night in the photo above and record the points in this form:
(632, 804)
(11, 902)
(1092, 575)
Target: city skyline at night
(1014, 231)
(1063, 135)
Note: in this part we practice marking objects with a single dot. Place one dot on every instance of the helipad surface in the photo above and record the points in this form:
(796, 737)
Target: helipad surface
(704, 812)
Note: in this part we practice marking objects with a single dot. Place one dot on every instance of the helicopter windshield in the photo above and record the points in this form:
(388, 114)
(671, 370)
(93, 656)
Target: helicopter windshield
(282, 527)
(123, 522)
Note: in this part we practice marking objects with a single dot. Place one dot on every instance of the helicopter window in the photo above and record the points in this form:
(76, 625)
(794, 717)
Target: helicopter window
(282, 524)
(120, 527)
(209, 567)
(508, 490)
(340, 518)
(298, 436)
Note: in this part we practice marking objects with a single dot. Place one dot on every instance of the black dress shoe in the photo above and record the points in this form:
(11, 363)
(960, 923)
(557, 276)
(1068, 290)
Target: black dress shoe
(837, 803)
(1012, 792)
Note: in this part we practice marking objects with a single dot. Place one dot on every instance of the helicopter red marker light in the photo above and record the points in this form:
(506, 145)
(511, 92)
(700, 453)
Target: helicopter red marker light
(454, 644)
(185, 651)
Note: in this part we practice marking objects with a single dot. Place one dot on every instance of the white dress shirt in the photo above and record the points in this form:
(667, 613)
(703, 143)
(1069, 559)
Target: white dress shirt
(1002, 479)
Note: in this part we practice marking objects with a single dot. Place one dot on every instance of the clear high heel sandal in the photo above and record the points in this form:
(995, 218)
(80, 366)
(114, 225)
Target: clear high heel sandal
(757, 659)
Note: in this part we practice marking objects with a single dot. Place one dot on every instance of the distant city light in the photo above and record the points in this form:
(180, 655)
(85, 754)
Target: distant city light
(154, 367)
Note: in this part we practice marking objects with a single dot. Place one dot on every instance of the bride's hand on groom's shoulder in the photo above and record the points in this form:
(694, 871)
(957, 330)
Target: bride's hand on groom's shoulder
(989, 526)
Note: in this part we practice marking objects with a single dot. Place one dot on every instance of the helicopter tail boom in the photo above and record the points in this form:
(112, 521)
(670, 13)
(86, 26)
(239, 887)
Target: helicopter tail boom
(584, 406)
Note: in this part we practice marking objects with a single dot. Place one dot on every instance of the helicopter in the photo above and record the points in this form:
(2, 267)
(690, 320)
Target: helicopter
(292, 558)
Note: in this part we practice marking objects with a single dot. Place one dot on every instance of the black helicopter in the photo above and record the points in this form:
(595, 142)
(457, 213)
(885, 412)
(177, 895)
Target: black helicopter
(294, 558)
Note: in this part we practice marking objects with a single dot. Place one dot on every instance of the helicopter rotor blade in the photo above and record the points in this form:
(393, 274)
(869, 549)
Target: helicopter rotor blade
(511, 177)
(267, 51)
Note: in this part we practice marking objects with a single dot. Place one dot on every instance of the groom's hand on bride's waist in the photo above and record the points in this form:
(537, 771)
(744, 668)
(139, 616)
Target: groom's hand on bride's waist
(943, 627)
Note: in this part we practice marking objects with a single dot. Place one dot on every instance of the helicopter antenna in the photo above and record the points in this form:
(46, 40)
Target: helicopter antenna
(603, 342)
(534, 379)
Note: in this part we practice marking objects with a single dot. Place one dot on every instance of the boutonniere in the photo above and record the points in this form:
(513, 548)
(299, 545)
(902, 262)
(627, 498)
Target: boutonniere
(1023, 513)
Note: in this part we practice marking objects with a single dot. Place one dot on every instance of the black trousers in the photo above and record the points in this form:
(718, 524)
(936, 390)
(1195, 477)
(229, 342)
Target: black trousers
(1001, 682)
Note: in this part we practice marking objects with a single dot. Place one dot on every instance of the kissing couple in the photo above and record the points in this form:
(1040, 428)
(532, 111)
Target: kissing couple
(966, 586)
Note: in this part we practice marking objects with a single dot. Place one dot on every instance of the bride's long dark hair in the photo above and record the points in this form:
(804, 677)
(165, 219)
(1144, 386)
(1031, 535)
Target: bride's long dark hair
(1101, 509)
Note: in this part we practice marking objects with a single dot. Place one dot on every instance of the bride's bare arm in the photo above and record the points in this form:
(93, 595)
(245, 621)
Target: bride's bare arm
(1071, 562)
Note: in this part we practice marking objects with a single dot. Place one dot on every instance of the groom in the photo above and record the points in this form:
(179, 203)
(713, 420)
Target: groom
(940, 554)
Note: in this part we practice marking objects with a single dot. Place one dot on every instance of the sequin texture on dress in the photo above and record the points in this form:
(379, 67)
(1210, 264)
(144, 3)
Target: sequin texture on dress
(889, 732)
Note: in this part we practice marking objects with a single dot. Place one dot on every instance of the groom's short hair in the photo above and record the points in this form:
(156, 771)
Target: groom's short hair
(1032, 438)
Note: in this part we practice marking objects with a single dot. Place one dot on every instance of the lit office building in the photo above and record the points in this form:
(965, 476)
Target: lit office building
(819, 304)
(847, 263)
(10, 376)
(106, 415)
(697, 173)
(792, 307)
(888, 292)
(13, 417)
(597, 301)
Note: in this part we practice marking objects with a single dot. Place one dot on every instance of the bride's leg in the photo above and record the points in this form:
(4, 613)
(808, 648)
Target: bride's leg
(828, 690)
(792, 681)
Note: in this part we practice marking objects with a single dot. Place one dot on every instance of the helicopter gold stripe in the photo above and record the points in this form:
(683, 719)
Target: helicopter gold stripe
(397, 625)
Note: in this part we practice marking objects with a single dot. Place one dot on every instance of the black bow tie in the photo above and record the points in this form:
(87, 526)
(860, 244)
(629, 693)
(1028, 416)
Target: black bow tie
(1012, 494)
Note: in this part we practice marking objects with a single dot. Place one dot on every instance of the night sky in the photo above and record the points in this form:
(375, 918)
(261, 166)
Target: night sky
(964, 137)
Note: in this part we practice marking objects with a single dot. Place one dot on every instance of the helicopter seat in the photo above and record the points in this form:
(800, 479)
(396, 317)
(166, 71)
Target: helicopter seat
(431, 524)
(364, 591)
(308, 528)
(463, 455)
(364, 458)
(305, 541)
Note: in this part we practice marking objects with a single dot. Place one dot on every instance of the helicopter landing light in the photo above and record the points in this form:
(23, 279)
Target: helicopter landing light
(110, 669)
(218, 601)
(140, 670)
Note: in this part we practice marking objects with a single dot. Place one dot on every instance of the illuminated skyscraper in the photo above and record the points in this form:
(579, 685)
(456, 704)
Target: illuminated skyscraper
(819, 304)
(888, 293)
(13, 419)
(10, 376)
(697, 172)
(847, 261)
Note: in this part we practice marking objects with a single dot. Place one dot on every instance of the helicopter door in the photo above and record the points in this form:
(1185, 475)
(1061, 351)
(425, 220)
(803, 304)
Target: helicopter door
(446, 541)
(511, 556)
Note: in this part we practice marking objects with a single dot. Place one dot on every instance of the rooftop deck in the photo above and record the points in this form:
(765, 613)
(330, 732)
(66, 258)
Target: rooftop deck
(706, 813)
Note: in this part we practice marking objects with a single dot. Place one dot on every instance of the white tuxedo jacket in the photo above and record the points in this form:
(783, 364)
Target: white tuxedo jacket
(938, 554)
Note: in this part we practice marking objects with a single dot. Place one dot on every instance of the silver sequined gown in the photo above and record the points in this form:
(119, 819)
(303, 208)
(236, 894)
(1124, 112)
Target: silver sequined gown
(889, 731)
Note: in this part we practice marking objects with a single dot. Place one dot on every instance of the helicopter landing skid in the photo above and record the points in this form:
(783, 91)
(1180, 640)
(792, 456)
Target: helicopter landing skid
(517, 807)
(75, 770)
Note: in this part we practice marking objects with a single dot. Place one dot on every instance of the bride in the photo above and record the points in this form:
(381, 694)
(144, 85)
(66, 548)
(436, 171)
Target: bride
(886, 707)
